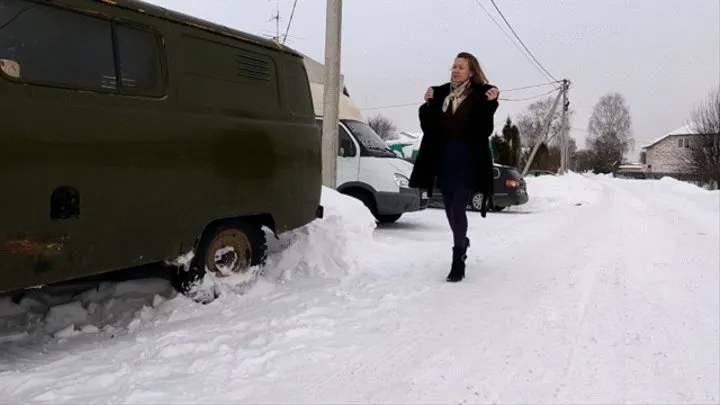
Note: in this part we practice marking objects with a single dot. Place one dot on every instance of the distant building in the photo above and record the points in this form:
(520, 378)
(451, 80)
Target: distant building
(668, 154)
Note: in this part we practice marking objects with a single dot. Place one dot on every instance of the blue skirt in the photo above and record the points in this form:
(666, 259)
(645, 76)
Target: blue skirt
(456, 170)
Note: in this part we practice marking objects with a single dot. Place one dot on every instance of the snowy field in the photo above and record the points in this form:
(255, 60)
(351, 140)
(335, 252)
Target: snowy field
(599, 290)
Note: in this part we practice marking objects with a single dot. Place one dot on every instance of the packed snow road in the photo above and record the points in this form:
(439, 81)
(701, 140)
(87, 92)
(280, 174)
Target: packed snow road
(598, 290)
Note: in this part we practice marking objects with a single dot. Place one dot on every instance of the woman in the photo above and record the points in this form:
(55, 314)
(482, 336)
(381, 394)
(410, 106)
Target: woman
(457, 119)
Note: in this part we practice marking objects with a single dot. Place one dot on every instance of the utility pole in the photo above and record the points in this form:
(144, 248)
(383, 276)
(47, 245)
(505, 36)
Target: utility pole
(546, 130)
(565, 140)
(331, 94)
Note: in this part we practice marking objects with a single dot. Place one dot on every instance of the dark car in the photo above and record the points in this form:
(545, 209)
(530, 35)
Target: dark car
(538, 173)
(510, 189)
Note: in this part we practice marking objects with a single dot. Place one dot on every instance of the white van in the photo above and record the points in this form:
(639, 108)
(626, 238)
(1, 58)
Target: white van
(367, 168)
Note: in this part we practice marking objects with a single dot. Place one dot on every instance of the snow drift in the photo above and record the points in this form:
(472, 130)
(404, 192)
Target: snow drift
(549, 193)
(330, 247)
(683, 193)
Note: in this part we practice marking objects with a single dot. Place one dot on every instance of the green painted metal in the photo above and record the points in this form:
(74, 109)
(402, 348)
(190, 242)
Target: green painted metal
(227, 131)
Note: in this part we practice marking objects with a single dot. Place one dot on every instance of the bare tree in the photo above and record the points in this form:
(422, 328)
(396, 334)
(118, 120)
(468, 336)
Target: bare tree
(703, 157)
(531, 122)
(383, 126)
(610, 131)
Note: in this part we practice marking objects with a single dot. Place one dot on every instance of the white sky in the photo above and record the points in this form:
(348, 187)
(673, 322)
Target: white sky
(662, 55)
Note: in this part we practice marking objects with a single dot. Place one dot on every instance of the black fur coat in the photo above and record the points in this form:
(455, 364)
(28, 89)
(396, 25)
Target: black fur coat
(479, 113)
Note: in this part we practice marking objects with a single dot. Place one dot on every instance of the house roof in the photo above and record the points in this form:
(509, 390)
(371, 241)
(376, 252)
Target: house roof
(684, 130)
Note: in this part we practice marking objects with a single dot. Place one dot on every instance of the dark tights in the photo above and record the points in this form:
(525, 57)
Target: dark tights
(455, 202)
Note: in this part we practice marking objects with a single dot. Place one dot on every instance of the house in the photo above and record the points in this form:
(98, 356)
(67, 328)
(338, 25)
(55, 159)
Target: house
(668, 154)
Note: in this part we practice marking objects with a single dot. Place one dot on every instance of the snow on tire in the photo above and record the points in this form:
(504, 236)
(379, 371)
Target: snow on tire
(229, 255)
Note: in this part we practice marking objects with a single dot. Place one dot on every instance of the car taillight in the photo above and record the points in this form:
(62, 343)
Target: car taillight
(512, 184)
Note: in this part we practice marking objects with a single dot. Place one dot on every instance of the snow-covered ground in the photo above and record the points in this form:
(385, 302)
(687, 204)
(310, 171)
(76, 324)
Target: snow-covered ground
(599, 290)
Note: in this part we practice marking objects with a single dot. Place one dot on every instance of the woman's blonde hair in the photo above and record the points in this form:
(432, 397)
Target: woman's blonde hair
(478, 76)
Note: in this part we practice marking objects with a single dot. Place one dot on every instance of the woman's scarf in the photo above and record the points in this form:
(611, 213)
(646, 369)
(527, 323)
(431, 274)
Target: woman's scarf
(458, 92)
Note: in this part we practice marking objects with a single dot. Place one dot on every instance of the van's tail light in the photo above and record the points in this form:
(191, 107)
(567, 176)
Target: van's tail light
(512, 184)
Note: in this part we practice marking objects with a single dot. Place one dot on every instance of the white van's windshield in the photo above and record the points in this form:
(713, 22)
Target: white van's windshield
(370, 142)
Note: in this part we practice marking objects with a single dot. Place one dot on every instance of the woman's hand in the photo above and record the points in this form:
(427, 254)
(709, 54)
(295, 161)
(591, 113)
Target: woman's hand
(429, 93)
(492, 94)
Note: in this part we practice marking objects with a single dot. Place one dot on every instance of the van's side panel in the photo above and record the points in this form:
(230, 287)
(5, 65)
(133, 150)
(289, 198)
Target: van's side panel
(151, 171)
(264, 154)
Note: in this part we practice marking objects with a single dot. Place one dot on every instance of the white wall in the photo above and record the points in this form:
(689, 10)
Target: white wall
(666, 156)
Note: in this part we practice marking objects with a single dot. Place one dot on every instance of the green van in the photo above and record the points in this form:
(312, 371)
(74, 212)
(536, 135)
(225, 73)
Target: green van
(132, 134)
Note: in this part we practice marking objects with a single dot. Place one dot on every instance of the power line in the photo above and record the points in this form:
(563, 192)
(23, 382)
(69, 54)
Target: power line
(529, 87)
(531, 98)
(510, 38)
(292, 13)
(520, 40)
(417, 103)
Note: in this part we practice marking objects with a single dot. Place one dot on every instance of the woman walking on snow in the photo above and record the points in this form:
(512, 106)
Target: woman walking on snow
(457, 119)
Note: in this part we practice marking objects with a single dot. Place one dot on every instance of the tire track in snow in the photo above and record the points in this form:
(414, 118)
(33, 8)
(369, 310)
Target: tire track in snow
(547, 299)
(571, 335)
(643, 334)
(412, 337)
(594, 322)
(677, 285)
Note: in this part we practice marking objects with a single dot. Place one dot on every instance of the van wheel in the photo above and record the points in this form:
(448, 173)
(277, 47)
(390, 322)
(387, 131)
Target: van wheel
(388, 219)
(229, 248)
(365, 198)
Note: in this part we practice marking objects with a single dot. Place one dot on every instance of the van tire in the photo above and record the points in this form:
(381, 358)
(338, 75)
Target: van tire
(241, 246)
(365, 197)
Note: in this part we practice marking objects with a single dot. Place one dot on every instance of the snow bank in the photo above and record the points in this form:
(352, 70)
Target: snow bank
(549, 193)
(683, 187)
(109, 306)
(685, 194)
(327, 247)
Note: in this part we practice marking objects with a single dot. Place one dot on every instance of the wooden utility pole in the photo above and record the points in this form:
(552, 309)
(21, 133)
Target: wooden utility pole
(331, 94)
(541, 139)
(565, 131)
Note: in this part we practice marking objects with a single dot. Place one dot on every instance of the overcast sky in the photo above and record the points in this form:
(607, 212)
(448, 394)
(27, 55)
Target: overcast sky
(662, 55)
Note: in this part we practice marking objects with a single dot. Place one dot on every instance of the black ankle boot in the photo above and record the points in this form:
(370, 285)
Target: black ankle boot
(457, 269)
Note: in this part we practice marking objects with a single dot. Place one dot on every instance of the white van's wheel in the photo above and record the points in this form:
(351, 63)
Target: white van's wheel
(364, 197)
(234, 247)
